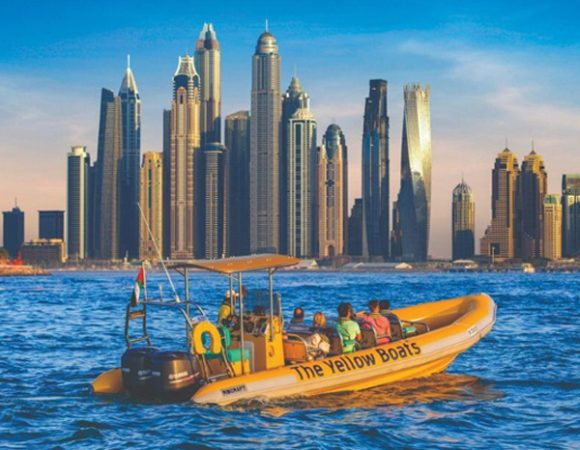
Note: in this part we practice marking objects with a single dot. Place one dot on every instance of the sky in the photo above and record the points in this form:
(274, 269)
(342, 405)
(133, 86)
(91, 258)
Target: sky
(498, 71)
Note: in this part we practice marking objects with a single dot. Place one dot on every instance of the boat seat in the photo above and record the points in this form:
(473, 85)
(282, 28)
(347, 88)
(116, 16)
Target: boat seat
(335, 345)
(396, 327)
(233, 354)
(295, 348)
(368, 338)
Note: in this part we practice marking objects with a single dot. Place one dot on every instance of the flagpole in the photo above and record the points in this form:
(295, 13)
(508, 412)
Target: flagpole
(159, 254)
(144, 281)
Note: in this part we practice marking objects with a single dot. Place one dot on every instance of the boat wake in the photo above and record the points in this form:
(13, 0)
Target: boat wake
(442, 387)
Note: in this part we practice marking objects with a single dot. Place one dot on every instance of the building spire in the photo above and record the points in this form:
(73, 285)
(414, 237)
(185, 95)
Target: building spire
(266, 24)
(128, 61)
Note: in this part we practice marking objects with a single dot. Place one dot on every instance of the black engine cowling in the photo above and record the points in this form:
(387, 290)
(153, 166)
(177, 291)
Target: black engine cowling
(173, 375)
(136, 370)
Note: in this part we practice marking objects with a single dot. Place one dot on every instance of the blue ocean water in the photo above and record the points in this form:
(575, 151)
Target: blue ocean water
(517, 388)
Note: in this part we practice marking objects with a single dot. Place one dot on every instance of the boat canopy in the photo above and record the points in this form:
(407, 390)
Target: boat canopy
(238, 264)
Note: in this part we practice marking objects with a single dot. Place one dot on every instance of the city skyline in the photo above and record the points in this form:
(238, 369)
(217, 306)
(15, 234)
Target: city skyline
(553, 134)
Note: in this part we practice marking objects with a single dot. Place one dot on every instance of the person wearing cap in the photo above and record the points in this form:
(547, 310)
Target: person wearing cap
(226, 307)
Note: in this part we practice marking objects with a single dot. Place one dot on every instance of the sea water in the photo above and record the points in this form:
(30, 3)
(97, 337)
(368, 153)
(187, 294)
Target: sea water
(517, 388)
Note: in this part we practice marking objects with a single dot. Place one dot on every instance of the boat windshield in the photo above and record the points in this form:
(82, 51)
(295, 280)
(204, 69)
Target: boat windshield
(257, 301)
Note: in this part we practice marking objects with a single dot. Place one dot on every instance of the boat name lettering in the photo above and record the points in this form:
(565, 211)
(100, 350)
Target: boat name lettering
(234, 390)
(348, 363)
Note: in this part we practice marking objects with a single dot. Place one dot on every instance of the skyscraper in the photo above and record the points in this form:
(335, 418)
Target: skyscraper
(571, 214)
(302, 184)
(91, 227)
(463, 222)
(13, 231)
(107, 212)
(237, 133)
(532, 188)
(166, 183)
(499, 239)
(184, 161)
(131, 155)
(151, 201)
(265, 147)
(414, 202)
(78, 165)
(51, 225)
(552, 227)
(396, 235)
(375, 172)
(332, 216)
(355, 228)
(215, 191)
(293, 99)
(207, 62)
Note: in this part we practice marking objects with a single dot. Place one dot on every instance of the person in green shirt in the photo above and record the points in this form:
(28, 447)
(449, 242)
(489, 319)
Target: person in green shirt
(347, 328)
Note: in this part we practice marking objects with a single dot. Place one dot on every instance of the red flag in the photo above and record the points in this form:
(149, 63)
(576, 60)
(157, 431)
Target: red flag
(139, 282)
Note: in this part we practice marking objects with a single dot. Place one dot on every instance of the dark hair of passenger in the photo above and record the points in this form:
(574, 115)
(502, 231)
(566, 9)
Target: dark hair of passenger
(298, 313)
(385, 304)
(344, 309)
(373, 304)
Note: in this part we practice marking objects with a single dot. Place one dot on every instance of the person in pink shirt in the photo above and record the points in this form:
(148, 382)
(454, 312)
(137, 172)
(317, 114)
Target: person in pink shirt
(379, 322)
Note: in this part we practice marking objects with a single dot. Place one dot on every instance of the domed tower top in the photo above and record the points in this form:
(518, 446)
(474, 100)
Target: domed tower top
(266, 43)
(333, 138)
(462, 191)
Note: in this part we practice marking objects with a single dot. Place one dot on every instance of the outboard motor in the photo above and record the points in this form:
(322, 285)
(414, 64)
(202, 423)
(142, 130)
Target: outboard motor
(174, 375)
(136, 370)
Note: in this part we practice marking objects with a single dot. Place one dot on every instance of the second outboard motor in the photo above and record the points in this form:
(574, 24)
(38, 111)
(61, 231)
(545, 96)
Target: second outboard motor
(136, 371)
(174, 376)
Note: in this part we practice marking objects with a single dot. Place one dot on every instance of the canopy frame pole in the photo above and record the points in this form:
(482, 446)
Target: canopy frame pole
(232, 296)
(242, 340)
(186, 289)
(271, 290)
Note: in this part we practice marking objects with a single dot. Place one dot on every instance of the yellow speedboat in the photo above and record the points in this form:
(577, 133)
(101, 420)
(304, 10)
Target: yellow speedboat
(259, 359)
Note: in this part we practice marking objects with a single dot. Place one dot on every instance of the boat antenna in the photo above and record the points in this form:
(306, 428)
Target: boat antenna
(159, 254)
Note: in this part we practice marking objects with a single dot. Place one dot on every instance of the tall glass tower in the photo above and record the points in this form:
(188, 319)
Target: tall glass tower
(78, 165)
(499, 240)
(237, 133)
(265, 147)
(552, 213)
(414, 202)
(207, 63)
(109, 159)
(151, 193)
(533, 183)
(375, 176)
(293, 99)
(332, 215)
(463, 222)
(215, 201)
(184, 160)
(302, 191)
(571, 214)
(130, 171)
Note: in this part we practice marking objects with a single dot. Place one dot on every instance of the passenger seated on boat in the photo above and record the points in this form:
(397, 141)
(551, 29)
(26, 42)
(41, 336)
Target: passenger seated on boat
(374, 320)
(298, 316)
(385, 306)
(347, 328)
(318, 343)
